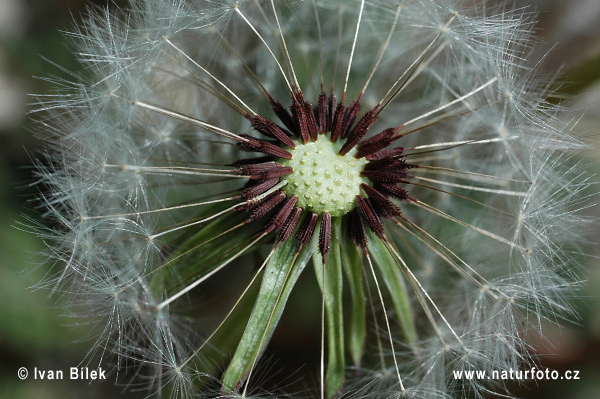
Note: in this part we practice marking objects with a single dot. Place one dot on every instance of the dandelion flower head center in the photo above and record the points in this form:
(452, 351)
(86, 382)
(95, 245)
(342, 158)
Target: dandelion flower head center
(323, 180)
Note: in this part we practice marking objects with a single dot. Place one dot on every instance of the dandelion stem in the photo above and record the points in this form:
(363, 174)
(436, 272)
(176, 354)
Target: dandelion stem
(322, 371)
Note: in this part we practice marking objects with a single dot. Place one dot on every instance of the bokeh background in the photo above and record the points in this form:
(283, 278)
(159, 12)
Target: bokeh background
(34, 332)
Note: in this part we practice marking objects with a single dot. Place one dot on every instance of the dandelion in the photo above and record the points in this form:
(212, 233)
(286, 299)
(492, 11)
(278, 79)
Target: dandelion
(403, 148)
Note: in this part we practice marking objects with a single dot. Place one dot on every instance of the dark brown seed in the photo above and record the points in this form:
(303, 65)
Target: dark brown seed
(290, 224)
(284, 116)
(264, 171)
(395, 192)
(383, 205)
(254, 144)
(388, 165)
(253, 188)
(311, 123)
(304, 117)
(299, 119)
(267, 205)
(331, 106)
(325, 235)
(282, 215)
(337, 123)
(307, 229)
(382, 177)
(270, 129)
(321, 112)
(359, 131)
(375, 143)
(367, 211)
(349, 117)
(392, 152)
(357, 229)
(273, 149)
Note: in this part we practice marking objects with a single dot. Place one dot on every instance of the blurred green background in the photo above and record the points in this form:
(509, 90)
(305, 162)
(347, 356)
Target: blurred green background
(33, 330)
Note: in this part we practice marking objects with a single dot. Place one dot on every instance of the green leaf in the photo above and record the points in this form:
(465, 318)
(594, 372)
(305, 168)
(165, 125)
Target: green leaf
(357, 326)
(334, 315)
(281, 273)
(396, 286)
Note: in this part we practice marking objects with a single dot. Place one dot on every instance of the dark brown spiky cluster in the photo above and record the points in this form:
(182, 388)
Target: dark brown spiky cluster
(386, 168)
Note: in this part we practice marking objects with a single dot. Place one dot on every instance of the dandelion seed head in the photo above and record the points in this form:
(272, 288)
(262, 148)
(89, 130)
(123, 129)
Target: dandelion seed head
(403, 148)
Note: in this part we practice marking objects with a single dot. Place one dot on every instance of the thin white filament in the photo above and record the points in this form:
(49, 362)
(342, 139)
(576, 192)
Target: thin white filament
(375, 322)
(460, 99)
(362, 5)
(193, 121)
(383, 49)
(208, 275)
(424, 291)
(387, 322)
(470, 226)
(407, 70)
(195, 248)
(237, 302)
(287, 53)
(176, 170)
(170, 208)
(323, 333)
(474, 188)
(237, 9)
(463, 142)
(319, 34)
(197, 222)
(453, 264)
(264, 195)
(420, 69)
(458, 172)
(211, 75)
